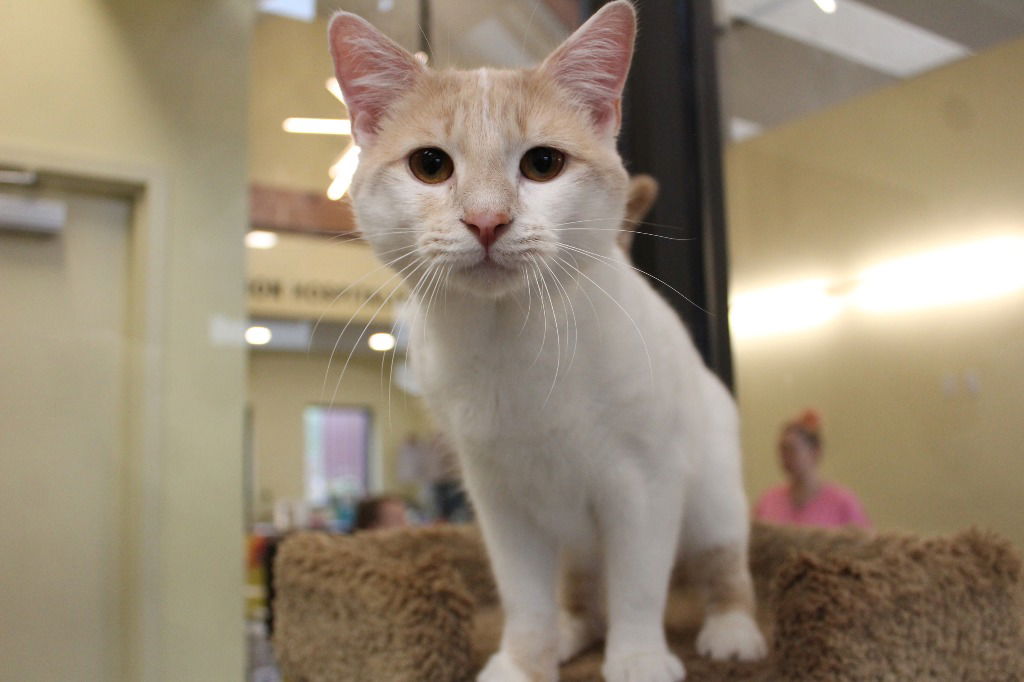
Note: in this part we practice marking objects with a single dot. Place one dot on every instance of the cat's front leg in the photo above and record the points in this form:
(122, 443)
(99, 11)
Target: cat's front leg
(524, 559)
(639, 531)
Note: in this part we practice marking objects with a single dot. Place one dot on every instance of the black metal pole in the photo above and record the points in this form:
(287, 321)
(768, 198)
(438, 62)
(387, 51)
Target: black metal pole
(671, 130)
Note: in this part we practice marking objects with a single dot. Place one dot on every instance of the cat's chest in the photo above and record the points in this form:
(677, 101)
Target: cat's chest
(486, 397)
(496, 382)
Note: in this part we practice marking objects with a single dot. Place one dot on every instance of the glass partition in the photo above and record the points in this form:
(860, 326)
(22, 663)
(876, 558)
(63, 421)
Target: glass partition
(876, 229)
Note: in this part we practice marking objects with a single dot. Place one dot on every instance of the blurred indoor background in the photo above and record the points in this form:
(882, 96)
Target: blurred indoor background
(198, 353)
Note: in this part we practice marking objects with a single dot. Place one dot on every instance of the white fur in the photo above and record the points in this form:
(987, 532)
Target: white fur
(583, 416)
(732, 634)
(599, 430)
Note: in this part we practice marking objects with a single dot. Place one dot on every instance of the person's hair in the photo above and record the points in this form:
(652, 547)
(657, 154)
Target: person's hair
(808, 425)
(368, 510)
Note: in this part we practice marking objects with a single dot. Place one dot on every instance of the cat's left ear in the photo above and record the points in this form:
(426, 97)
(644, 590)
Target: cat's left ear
(593, 62)
(372, 70)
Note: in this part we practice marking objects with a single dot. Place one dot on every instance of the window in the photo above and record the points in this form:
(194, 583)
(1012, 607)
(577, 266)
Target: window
(337, 452)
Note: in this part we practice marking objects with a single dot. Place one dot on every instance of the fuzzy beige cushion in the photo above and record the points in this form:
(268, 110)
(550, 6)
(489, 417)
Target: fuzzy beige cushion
(419, 605)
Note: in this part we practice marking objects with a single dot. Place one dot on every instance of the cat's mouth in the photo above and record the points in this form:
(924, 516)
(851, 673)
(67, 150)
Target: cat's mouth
(488, 264)
(488, 276)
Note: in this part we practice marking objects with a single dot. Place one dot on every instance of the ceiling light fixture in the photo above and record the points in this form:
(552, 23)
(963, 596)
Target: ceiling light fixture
(381, 341)
(783, 309)
(318, 126)
(260, 239)
(866, 35)
(957, 274)
(258, 336)
(963, 273)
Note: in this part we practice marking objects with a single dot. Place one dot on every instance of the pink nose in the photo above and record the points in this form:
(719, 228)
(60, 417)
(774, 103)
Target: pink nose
(486, 226)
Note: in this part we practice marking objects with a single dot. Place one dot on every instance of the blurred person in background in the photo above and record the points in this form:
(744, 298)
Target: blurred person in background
(806, 499)
(381, 511)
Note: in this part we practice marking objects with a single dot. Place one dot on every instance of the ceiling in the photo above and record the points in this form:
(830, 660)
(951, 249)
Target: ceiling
(779, 59)
(784, 59)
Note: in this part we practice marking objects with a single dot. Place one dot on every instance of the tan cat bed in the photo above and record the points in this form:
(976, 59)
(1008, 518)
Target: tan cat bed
(419, 605)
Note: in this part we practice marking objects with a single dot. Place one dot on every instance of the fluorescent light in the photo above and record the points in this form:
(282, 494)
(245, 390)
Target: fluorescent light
(303, 10)
(864, 35)
(318, 126)
(257, 336)
(260, 239)
(826, 6)
(342, 171)
(782, 309)
(381, 341)
(741, 129)
(335, 89)
(958, 274)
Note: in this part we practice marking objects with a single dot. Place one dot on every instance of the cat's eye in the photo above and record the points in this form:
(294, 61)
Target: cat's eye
(541, 164)
(431, 165)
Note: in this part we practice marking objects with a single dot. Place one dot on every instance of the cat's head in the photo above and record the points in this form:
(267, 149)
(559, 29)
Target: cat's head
(488, 177)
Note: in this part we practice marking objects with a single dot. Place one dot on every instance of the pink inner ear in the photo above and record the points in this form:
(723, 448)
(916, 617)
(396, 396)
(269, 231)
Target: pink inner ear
(372, 70)
(593, 63)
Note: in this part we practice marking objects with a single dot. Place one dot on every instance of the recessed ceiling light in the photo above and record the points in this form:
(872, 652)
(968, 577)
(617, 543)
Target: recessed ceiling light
(258, 336)
(260, 239)
(826, 6)
(381, 341)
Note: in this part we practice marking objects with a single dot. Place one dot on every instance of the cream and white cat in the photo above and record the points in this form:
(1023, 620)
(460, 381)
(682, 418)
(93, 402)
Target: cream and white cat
(587, 427)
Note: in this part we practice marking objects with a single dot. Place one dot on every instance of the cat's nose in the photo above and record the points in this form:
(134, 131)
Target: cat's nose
(486, 226)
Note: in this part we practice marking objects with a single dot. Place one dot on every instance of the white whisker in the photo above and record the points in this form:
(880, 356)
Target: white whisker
(567, 311)
(561, 262)
(529, 301)
(359, 340)
(650, 363)
(394, 353)
(619, 229)
(352, 284)
(558, 340)
(544, 334)
(611, 261)
(330, 360)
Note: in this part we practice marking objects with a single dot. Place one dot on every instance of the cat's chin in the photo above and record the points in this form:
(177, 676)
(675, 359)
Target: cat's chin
(488, 279)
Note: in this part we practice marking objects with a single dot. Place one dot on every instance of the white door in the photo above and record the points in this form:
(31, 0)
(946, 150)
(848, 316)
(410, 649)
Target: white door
(63, 316)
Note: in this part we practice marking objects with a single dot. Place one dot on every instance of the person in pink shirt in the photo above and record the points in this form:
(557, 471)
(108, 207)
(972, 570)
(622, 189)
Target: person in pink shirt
(807, 500)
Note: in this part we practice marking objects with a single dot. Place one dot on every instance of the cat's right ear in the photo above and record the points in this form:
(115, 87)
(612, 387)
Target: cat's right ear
(372, 70)
(593, 62)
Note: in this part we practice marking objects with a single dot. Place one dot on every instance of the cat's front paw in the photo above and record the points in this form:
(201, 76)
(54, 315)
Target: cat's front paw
(644, 666)
(501, 668)
(731, 635)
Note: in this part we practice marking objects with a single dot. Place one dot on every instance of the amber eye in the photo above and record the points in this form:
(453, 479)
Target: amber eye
(541, 164)
(431, 165)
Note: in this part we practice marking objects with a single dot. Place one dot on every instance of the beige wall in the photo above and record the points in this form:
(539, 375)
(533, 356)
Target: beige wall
(282, 385)
(158, 89)
(932, 162)
(298, 278)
